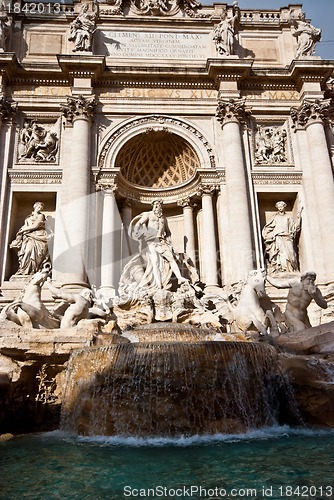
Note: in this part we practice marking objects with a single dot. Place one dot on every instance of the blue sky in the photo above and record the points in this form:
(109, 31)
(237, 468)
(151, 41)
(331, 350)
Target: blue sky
(321, 13)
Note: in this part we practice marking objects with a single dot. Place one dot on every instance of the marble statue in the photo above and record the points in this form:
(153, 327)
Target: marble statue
(31, 242)
(29, 311)
(83, 27)
(75, 306)
(300, 295)
(4, 27)
(37, 143)
(152, 268)
(225, 32)
(279, 236)
(307, 37)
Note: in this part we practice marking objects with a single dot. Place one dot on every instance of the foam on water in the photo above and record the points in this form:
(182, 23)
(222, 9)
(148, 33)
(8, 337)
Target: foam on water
(265, 433)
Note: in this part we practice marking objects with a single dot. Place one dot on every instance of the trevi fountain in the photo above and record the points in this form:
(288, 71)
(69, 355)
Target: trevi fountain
(167, 278)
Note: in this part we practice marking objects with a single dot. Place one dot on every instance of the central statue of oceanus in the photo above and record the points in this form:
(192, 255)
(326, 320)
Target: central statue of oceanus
(157, 263)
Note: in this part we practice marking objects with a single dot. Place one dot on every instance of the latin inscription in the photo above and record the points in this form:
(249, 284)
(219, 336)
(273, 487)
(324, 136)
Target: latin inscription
(133, 93)
(152, 45)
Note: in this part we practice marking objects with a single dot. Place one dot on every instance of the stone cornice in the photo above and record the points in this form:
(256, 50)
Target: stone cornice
(82, 66)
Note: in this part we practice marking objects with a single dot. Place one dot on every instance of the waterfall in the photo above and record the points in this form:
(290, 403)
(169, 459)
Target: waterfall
(171, 389)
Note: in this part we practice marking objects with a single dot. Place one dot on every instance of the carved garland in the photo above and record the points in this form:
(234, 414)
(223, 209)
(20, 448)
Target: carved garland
(162, 120)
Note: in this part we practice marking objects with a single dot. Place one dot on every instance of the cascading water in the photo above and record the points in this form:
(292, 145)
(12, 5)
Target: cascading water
(171, 388)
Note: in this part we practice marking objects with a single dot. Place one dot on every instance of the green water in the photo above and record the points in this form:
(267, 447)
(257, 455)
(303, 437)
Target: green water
(58, 466)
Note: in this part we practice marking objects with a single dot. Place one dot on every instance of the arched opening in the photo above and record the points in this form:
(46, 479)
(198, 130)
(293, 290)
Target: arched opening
(157, 159)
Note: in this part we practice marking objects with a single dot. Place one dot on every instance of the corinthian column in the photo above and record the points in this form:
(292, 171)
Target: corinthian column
(71, 260)
(231, 114)
(209, 244)
(189, 244)
(311, 115)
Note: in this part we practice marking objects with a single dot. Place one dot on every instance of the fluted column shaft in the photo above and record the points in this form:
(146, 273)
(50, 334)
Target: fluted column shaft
(209, 245)
(240, 236)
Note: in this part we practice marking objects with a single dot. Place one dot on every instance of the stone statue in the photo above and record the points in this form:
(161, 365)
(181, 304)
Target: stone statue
(31, 243)
(157, 260)
(224, 33)
(299, 298)
(76, 306)
(29, 311)
(279, 236)
(82, 29)
(37, 143)
(4, 27)
(307, 37)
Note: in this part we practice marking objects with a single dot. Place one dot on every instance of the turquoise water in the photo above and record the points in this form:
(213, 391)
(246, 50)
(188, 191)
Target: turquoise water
(59, 466)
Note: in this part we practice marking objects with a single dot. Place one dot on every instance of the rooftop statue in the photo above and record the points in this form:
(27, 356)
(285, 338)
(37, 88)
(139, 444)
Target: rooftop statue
(307, 37)
(279, 236)
(225, 32)
(31, 242)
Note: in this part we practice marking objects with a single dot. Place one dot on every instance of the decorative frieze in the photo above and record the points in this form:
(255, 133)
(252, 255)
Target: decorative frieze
(78, 108)
(233, 110)
(33, 177)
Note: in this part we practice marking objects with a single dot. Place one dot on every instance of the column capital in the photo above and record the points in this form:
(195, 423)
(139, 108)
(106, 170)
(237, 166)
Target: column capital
(77, 108)
(310, 112)
(233, 110)
(108, 189)
(206, 189)
(7, 108)
(186, 202)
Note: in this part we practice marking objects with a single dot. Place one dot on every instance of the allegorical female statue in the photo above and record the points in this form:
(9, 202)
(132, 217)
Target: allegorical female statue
(31, 242)
(279, 236)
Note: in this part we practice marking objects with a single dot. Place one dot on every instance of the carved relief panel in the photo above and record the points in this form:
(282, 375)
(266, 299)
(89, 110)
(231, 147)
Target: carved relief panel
(38, 142)
(271, 143)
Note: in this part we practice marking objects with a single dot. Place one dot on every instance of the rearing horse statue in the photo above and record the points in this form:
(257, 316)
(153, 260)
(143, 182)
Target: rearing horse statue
(253, 307)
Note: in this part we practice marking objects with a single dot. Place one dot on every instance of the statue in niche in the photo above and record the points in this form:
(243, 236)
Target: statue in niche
(270, 145)
(83, 27)
(225, 32)
(279, 236)
(31, 243)
(4, 27)
(37, 143)
(152, 268)
(302, 292)
(307, 37)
